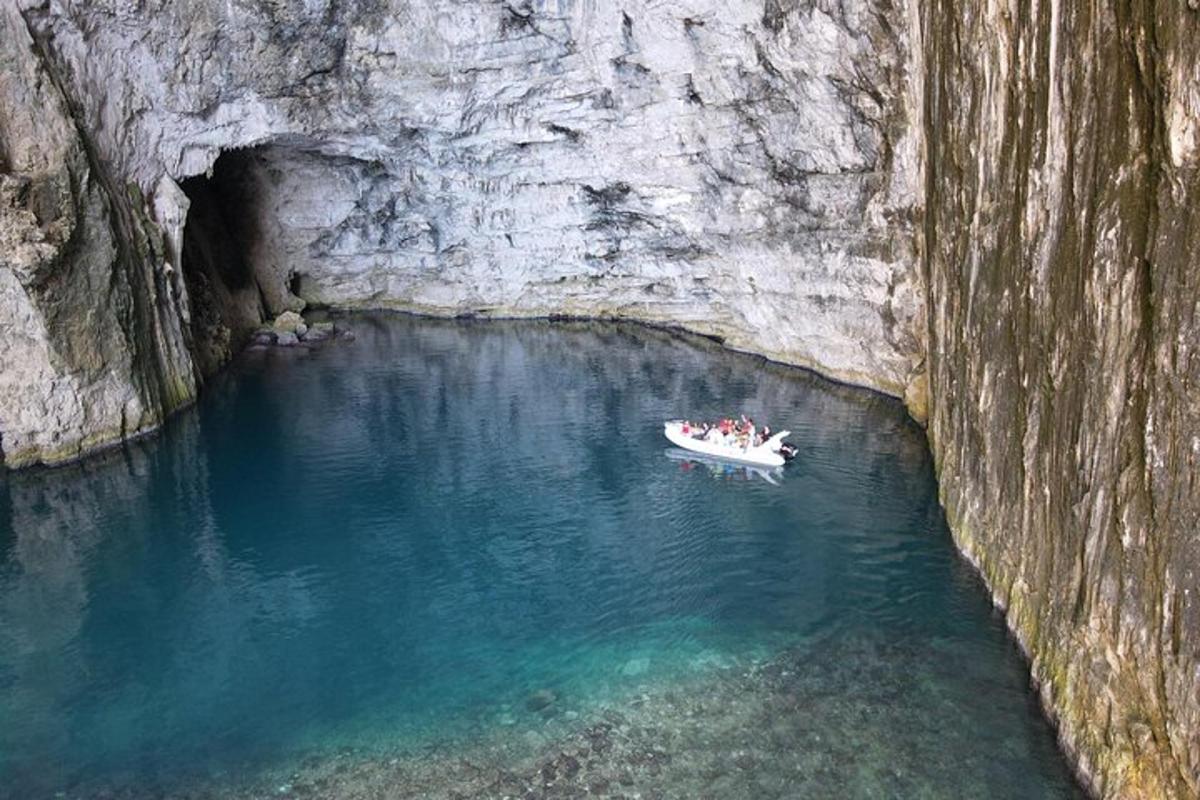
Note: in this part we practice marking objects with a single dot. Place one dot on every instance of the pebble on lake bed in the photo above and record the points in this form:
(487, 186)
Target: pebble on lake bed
(635, 666)
(541, 700)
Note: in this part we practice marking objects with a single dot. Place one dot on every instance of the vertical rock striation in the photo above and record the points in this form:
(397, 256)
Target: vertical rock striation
(1061, 246)
(92, 349)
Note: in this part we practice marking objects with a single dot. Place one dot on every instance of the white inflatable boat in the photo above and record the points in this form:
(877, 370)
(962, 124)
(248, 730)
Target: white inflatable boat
(767, 454)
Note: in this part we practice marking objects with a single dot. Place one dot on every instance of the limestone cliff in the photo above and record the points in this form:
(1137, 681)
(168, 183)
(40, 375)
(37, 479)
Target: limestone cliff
(92, 349)
(1062, 247)
(748, 172)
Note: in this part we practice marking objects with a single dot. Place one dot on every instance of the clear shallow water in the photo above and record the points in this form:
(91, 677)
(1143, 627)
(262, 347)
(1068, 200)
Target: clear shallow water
(433, 537)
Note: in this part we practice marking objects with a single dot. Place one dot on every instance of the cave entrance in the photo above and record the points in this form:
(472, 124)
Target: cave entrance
(220, 242)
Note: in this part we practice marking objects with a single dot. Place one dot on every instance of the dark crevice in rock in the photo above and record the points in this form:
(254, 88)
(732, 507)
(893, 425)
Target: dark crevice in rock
(522, 20)
(764, 61)
(517, 19)
(607, 197)
(570, 134)
(775, 13)
(220, 203)
(629, 69)
(220, 235)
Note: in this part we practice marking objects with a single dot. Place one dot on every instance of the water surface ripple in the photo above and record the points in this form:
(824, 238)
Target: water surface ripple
(451, 537)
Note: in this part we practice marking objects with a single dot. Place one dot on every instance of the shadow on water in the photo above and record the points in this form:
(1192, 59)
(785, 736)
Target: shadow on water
(451, 538)
(726, 470)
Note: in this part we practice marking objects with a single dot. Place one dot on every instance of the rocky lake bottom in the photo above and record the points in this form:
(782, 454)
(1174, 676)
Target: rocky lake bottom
(454, 559)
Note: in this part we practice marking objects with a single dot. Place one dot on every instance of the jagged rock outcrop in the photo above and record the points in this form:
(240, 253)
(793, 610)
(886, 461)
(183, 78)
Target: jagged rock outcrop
(1063, 257)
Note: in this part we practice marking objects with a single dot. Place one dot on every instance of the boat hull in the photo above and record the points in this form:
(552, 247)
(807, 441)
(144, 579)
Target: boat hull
(761, 456)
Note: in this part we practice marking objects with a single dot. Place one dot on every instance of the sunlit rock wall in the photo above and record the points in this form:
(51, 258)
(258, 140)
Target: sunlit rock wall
(1063, 257)
(749, 171)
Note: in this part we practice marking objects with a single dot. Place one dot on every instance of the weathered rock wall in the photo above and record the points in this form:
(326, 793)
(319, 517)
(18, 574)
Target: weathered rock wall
(91, 347)
(1063, 268)
(747, 171)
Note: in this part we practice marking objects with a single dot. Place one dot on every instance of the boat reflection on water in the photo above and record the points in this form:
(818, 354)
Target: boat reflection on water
(719, 468)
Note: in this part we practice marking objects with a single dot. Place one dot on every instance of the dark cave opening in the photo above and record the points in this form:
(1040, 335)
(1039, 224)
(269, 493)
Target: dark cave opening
(221, 227)
(219, 241)
(296, 284)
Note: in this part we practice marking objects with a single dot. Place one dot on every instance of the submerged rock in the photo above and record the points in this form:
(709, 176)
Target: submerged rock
(841, 741)
(318, 332)
(541, 699)
(635, 666)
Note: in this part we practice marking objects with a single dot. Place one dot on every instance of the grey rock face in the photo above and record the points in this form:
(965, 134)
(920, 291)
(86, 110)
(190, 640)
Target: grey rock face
(749, 174)
(1061, 245)
(91, 345)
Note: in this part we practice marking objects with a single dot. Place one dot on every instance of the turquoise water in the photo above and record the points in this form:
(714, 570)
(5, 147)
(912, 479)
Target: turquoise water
(447, 535)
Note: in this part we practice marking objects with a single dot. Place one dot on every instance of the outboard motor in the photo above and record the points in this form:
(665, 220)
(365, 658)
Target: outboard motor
(787, 451)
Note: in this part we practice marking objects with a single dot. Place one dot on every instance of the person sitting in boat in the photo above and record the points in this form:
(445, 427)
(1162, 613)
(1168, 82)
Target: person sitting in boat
(745, 433)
